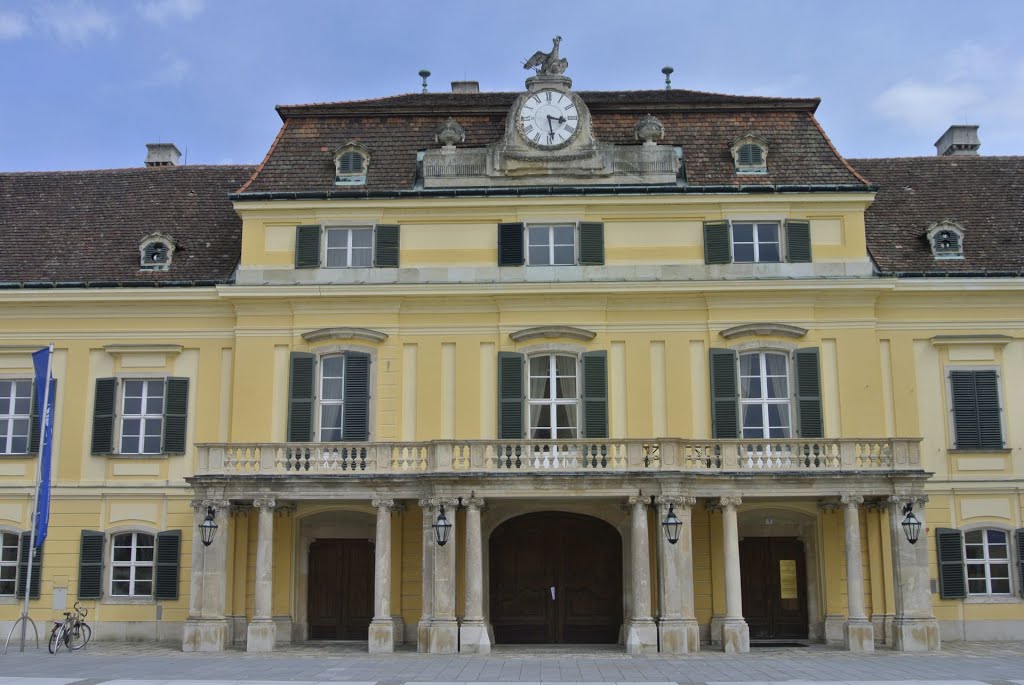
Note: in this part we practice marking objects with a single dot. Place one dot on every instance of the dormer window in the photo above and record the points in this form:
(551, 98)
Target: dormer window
(946, 239)
(750, 154)
(350, 163)
(155, 251)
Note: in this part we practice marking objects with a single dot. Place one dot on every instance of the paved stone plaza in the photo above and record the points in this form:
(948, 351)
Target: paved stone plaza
(348, 663)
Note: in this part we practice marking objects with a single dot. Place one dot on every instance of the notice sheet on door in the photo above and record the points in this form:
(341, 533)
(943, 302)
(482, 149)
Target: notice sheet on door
(787, 579)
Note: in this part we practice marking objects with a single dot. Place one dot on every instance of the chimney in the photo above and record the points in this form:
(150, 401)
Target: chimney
(162, 154)
(465, 86)
(958, 140)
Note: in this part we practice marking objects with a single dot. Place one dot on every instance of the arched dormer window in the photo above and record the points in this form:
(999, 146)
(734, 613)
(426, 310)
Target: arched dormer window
(946, 239)
(155, 252)
(750, 154)
(350, 163)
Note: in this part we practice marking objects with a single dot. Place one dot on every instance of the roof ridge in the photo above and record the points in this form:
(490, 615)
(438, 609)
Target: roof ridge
(139, 169)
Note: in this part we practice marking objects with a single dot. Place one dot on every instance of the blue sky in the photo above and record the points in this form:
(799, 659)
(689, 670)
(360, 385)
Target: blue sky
(86, 83)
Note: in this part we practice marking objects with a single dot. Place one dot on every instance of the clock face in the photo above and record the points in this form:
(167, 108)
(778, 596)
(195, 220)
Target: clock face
(548, 119)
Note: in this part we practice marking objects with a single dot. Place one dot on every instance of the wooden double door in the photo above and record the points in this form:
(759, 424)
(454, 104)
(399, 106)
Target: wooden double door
(556, 578)
(774, 581)
(340, 589)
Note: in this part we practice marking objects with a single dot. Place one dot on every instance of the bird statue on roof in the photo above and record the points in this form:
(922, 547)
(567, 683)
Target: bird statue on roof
(548, 62)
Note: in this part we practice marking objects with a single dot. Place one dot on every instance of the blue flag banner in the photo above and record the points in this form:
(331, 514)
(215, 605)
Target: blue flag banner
(42, 362)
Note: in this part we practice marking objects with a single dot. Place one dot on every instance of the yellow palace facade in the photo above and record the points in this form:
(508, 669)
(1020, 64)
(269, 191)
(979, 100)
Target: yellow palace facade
(688, 309)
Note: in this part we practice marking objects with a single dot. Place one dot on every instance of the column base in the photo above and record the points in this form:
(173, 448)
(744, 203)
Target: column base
(261, 635)
(642, 637)
(678, 636)
(735, 636)
(859, 635)
(423, 636)
(444, 636)
(382, 636)
(473, 638)
(205, 635)
(834, 628)
(916, 635)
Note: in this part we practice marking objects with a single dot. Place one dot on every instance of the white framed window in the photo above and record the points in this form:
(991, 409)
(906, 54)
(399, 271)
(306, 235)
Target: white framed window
(987, 555)
(551, 245)
(332, 397)
(756, 241)
(142, 416)
(8, 563)
(765, 400)
(553, 396)
(15, 415)
(348, 247)
(131, 565)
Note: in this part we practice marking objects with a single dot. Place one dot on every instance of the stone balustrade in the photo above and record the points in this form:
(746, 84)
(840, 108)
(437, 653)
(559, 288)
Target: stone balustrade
(875, 455)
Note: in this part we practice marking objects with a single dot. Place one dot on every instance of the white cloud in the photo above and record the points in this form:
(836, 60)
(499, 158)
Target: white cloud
(161, 11)
(12, 25)
(76, 22)
(924, 105)
(171, 73)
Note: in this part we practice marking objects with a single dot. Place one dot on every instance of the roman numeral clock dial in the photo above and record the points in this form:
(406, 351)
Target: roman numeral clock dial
(548, 119)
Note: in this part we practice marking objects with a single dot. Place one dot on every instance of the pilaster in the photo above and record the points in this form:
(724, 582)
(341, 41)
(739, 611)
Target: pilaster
(444, 628)
(914, 627)
(206, 629)
(678, 631)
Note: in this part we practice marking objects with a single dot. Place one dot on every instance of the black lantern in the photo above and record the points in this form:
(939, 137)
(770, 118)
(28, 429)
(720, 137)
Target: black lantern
(672, 525)
(911, 526)
(442, 527)
(208, 528)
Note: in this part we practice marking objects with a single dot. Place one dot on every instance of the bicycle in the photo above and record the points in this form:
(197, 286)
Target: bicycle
(73, 632)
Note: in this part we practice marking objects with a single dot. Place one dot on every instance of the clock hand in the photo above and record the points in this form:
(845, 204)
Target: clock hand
(550, 129)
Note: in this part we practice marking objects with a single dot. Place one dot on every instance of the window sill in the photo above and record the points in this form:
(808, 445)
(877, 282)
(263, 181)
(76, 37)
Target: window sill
(128, 601)
(10, 600)
(25, 455)
(1003, 450)
(140, 457)
(993, 599)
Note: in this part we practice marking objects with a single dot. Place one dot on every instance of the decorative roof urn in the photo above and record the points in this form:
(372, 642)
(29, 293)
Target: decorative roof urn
(649, 129)
(449, 133)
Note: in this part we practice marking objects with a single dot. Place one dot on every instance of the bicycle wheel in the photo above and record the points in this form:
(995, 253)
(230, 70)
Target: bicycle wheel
(76, 637)
(87, 631)
(56, 638)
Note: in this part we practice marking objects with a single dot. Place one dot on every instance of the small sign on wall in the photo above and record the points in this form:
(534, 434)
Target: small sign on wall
(60, 598)
(787, 579)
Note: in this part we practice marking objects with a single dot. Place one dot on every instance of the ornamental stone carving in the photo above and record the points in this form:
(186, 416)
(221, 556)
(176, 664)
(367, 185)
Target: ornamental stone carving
(265, 503)
(649, 129)
(731, 501)
(449, 133)
(854, 500)
(903, 500)
(199, 504)
(680, 501)
(548, 63)
(639, 500)
(388, 504)
(473, 502)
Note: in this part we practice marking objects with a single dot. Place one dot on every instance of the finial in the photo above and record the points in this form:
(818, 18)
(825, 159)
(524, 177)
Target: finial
(424, 74)
(668, 77)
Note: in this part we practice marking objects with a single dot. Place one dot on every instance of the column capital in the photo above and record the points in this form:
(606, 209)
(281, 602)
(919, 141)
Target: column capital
(680, 501)
(268, 503)
(903, 500)
(876, 504)
(200, 504)
(730, 501)
(386, 504)
(639, 500)
(428, 503)
(851, 500)
(473, 502)
(828, 505)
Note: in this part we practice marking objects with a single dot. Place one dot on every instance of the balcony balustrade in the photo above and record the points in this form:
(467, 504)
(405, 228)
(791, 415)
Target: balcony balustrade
(879, 455)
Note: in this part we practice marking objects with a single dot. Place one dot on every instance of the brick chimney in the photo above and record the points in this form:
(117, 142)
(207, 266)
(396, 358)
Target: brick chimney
(162, 154)
(959, 139)
(465, 86)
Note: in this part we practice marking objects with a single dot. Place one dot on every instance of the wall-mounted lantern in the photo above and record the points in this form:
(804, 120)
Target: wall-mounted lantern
(208, 528)
(672, 525)
(911, 525)
(442, 527)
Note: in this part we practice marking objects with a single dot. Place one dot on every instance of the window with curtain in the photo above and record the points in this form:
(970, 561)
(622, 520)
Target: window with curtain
(8, 563)
(131, 565)
(987, 553)
(553, 397)
(332, 397)
(764, 395)
(349, 247)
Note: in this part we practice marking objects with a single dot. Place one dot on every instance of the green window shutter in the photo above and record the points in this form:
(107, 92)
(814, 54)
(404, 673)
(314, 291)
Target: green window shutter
(808, 394)
(1019, 534)
(977, 416)
(307, 247)
(724, 395)
(356, 410)
(175, 415)
(511, 395)
(798, 241)
(37, 568)
(595, 394)
(591, 242)
(510, 245)
(949, 547)
(103, 416)
(36, 428)
(168, 564)
(717, 245)
(90, 565)
(386, 242)
(301, 387)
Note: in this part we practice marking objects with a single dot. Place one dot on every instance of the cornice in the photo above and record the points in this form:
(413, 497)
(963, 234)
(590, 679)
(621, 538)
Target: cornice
(764, 329)
(548, 332)
(344, 333)
(969, 339)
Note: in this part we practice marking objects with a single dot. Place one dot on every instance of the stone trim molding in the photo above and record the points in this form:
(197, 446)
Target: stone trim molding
(541, 332)
(344, 333)
(764, 329)
(981, 339)
(142, 348)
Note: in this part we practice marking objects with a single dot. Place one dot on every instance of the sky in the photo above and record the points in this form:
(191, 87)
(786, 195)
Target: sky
(87, 83)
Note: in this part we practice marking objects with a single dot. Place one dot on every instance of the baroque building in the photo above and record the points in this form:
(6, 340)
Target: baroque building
(556, 321)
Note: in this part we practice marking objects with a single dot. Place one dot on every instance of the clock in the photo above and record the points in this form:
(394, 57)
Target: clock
(548, 119)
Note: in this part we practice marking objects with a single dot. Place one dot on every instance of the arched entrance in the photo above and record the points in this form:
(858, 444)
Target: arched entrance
(556, 578)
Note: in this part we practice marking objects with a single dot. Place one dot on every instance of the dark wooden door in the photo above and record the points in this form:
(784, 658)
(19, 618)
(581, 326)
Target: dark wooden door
(340, 589)
(556, 578)
(774, 588)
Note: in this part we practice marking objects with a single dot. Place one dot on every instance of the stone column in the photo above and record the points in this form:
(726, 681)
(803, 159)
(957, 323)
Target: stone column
(735, 632)
(678, 632)
(858, 633)
(642, 634)
(382, 627)
(473, 637)
(206, 629)
(914, 628)
(427, 577)
(444, 628)
(262, 632)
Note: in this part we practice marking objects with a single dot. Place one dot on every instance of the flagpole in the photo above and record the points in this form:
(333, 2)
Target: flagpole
(44, 420)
